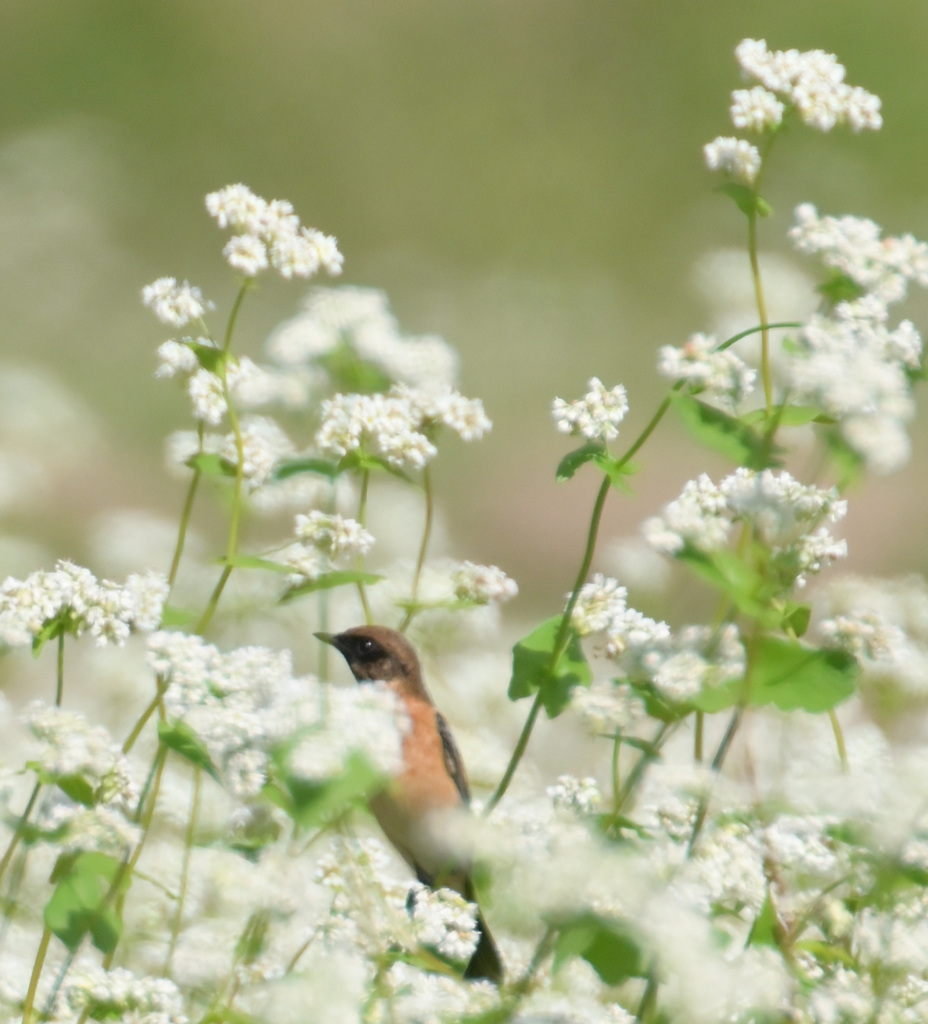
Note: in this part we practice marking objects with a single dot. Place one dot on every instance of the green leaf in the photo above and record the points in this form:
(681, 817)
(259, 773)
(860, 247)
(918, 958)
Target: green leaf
(764, 929)
(179, 737)
(787, 416)
(532, 670)
(314, 803)
(617, 470)
(294, 467)
(744, 198)
(351, 373)
(734, 438)
(791, 676)
(173, 617)
(572, 461)
(840, 288)
(210, 464)
(82, 883)
(208, 356)
(78, 789)
(328, 580)
(743, 585)
(797, 618)
(364, 461)
(608, 946)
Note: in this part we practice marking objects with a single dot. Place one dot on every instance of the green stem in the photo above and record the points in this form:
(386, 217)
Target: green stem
(647, 755)
(423, 548)
(59, 672)
(698, 737)
(761, 311)
(717, 763)
(185, 871)
(616, 778)
(359, 563)
(185, 515)
(839, 738)
(36, 974)
(154, 704)
(18, 831)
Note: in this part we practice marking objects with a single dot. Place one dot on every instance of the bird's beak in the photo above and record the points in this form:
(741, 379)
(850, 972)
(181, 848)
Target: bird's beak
(326, 638)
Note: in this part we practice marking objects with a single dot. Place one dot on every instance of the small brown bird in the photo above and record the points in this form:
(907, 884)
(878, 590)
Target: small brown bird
(432, 779)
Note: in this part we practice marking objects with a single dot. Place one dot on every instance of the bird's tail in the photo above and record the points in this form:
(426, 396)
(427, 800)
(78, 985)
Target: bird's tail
(486, 961)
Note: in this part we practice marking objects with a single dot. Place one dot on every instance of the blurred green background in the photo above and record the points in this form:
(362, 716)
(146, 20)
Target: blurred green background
(523, 177)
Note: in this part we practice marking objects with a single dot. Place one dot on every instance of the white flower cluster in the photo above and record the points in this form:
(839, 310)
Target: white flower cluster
(72, 594)
(607, 708)
(678, 665)
(721, 376)
(784, 515)
(243, 704)
(360, 320)
(857, 370)
(596, 416)
(91, 991)
(264, 447)
(250, 386)
(173, 303)
(396, 426)
(581, 796)
(70, 748)
(855, 246)
(812, 83)
(736, 157)
(333, 535)
(269, 233)
(443, 920)
(483, 584)
(884, 624)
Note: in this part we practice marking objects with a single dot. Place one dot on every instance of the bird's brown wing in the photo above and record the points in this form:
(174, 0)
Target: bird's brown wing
(453, 761)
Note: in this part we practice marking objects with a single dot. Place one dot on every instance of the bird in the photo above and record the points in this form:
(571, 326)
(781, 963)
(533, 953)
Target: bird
(432, 778)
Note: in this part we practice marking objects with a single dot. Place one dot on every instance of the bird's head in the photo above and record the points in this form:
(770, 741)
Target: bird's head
(377, 653)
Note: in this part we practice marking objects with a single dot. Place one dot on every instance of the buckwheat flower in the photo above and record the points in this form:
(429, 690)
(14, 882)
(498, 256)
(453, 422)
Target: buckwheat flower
(74, 827)
(206, 396)
(722, 376)
(607, 708)
(247, 254)
(326, 247)
(443, 920)
(600, 603)
(101, 994)
(582, 796)
(70, 747)
(385, 425)
(855, 246)
(173, 303)
(697, 518)
(264, 445)
(333, 535)
(465, 416)
(729, 867)
(483, 584)
(736, 157)
(596, 416)
(175, 358)
(755, 109)
(236, 206)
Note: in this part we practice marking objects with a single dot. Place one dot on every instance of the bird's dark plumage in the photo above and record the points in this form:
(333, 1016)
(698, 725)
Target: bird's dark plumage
(433, 776)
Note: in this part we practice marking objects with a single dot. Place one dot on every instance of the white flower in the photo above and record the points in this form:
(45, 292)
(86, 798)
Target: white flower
(246, 253)
(595, 416)
(723, 376)
(206, 396)
(582, 796)
(444, 920)
(697, 517)
(812, 82)
(175, 358)
(755, 109)
(173, 303)
(264, 446)
(483, 584)
(333, 535)
(734, 156)
(599, 604)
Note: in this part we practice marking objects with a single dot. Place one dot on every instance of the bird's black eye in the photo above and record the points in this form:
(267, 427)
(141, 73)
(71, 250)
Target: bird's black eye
(369, 650)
